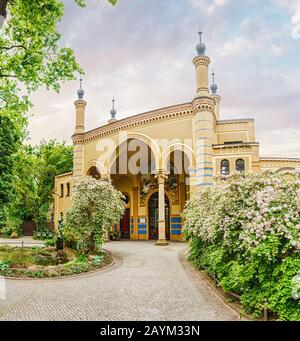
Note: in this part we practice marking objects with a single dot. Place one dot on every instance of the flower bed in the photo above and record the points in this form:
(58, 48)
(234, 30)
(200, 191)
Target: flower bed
(246, 231)
(41, 262)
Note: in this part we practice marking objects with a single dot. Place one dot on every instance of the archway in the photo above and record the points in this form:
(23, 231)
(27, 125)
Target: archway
(94, 172)
(153, 216)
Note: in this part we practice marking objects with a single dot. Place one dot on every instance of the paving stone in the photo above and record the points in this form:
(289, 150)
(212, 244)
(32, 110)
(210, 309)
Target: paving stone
(146, 283)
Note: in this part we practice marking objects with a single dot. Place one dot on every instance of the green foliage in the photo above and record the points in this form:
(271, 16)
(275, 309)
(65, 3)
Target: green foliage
(19, 256)
(4, 265)
(10, 137)
(30, 57)
(81, 259)
(97, 205)
(33, 181)
(50, 242)
(247, 231)
(38, 262)
(98, 259)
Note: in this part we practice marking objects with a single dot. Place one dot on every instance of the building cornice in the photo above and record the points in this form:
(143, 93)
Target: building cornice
(154, 116)
(235, 145)
(280, 159)
(243, 120)
(64, 175)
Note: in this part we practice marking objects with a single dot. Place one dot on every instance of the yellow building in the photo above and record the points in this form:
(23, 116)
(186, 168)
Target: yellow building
(158, 158)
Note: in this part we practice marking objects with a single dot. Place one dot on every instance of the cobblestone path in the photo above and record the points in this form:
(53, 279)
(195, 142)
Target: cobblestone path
(146, 283)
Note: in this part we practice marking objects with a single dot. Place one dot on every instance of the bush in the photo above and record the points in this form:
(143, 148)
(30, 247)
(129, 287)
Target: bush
(6, 231)
(247, 231)
(50, 242)
(96, 206)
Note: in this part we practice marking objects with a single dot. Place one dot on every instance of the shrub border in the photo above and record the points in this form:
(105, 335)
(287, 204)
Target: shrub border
(64, 277)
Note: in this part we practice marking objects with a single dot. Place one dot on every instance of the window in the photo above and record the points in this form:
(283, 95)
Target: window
(240, 166)
(68, 189)
(61, 190)
(225, 167)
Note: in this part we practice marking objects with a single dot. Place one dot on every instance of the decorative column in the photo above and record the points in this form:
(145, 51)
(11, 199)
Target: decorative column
(162, 241)
(203, 121)
(77, 138)
(135, 206)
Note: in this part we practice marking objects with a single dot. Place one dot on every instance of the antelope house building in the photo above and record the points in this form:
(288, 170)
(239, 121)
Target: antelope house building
(159, 158)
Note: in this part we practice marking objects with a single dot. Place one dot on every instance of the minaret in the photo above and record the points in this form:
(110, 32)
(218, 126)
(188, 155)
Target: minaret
(201, 62)
(78, 157)
(113, 113)
(215, 96)
(203, 121)
(80, 106)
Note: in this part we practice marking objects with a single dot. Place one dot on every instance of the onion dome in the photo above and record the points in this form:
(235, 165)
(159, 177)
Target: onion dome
(113, 111)
(200, 47)
(80, 92)
(214, 86)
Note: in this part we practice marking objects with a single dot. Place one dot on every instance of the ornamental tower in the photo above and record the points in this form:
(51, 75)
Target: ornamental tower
(215, 96)
(204, 119)
(113, 113)
(77, 137)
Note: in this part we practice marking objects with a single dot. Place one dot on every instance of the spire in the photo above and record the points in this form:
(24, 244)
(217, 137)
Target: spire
(214, 86)
(113, 111)
(80, 91)
(200, 48)
(200, 35)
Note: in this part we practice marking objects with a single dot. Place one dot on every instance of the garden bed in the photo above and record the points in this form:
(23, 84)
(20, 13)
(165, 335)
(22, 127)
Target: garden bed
(39, 262)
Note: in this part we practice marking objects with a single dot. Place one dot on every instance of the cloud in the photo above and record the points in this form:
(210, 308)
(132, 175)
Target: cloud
(293, 7)
(235, 46)
(296, 23)
(209, 6)
(141, 52)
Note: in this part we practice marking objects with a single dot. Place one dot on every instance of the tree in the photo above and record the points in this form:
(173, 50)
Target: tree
(53, 158)
(33, 180)
(30, 57)
(9, 140)
(97, 205)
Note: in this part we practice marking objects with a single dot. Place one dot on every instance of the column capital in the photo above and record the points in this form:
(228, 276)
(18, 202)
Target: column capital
(161, 176)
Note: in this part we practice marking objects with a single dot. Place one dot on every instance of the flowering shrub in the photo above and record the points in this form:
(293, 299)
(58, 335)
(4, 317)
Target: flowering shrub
(96, 206)
(246, 230)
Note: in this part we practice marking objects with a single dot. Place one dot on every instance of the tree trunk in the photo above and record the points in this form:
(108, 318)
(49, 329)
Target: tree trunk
(3, 5)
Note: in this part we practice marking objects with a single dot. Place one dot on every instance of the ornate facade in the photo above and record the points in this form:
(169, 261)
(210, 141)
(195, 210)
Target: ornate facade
(158, 158)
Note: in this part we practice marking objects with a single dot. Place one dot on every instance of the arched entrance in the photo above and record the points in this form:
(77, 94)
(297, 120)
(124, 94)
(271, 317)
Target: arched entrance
(153, 216)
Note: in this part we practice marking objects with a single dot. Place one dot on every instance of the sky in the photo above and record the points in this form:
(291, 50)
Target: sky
(141, 52)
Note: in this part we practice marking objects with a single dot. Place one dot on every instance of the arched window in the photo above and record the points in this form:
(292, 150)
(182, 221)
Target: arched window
(225, 167)
(240, 166)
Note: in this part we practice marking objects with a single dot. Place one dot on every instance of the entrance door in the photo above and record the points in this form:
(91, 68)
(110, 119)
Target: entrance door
(28, 228)
(125, 225)
(153, 216)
